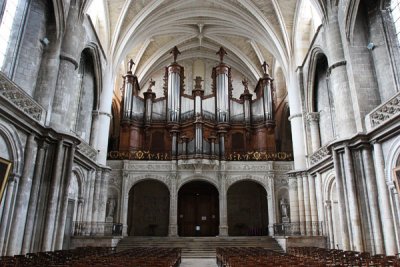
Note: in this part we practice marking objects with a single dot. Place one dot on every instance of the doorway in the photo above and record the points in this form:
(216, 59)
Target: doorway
(198, 209)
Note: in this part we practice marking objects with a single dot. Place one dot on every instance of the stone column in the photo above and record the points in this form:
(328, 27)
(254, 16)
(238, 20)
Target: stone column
(320, 203)
(313, 206)
(96, 196)
(370, 181)
(65, 98)
(223, 217)
(293, 199)
(64, 199)
(103, 195)
(296, 119)
(307, 210)
(353, 201)
(47, 242)
(389, 236)
(22, 198)
(328, 206)
(341, 200)
(32, 207)
(271, 206)
(12, 184)
(313, 121)
(173, 207)
(124, 204)
(94, 130)
(302, 215)
(339, 81)
(86, 195)
(104, 116)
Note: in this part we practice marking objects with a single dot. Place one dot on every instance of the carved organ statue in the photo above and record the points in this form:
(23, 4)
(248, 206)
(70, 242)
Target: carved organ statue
(177, 125)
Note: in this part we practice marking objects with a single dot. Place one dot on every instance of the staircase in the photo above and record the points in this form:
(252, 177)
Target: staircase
(199, 247)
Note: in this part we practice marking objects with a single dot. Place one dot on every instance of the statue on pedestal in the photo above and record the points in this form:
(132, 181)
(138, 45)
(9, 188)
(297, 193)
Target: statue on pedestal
(284, 205)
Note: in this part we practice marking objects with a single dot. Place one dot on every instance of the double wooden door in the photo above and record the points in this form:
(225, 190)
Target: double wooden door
(198, 213)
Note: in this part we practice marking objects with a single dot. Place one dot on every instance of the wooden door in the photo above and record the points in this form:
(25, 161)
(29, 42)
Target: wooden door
(198, 213)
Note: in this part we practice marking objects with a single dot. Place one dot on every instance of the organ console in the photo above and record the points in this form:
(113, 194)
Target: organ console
(177, 125)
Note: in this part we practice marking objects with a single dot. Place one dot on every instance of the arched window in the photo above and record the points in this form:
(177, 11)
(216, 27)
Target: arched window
(11, 26)
(396, 175)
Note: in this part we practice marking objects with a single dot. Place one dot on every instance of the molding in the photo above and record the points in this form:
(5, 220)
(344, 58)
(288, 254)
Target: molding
(335, 65)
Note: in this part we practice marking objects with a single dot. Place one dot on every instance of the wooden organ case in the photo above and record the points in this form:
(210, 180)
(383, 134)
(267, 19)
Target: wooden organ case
(182, 126)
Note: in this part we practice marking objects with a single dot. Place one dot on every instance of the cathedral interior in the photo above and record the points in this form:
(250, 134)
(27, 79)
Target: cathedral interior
(176, 118)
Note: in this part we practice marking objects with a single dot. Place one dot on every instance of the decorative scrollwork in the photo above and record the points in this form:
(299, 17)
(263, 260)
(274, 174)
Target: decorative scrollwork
(260, 156)
(319, 155)
(16, 96)
(385, 111)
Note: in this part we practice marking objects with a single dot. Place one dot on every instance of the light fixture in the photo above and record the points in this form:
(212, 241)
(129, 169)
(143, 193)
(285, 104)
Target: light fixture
(45, 41)
(370, 46)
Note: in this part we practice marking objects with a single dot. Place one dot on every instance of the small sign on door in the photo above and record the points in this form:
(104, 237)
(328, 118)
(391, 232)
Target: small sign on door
(203, 218)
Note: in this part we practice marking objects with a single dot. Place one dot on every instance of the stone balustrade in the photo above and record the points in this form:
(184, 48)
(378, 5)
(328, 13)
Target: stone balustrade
(88, 151)
(388, 110)
(319, 155)
(20, 99)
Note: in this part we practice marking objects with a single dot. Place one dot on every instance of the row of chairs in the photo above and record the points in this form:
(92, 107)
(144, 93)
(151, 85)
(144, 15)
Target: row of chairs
(260, 257)
(96, 257)
(53, 258)
(337, 257)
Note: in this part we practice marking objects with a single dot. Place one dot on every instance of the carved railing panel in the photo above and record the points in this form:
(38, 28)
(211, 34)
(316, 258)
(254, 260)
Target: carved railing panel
(19, 98)
(319, 155)
(88, 151)
(386, 111)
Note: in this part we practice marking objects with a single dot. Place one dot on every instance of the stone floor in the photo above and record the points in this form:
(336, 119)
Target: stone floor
(188, 262)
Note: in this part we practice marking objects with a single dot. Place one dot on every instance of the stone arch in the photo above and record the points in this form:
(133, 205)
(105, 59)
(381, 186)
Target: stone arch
(393, 163)
(80, 179)
(258, 179)
(148, 208)
(14, 146)
(247, 208)
(316, 53)
(198, 178)
(132, 180)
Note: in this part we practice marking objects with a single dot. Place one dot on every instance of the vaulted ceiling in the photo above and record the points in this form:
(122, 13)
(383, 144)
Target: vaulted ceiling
(252, 31)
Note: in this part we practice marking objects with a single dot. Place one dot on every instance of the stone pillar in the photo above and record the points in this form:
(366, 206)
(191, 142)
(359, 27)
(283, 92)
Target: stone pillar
(271, 206)
(103, 195)
(328, 207)
(52, 205)
(354, 211)
(22, 198)
(296, 119)
(341, 200)
(370, 181)
(313, 206)
(32, 207)
(307, 210)
(339, 81)
(94, 130)
(302, 215)
(320, 203)
(65, 98)
(96, 197)
(389, 236)
(64, 199)
(12, 184)
(124, 204)
(173, 207)
(104, 116)
(223, 217)
(86, 195)
(313, 121)
(293, 199)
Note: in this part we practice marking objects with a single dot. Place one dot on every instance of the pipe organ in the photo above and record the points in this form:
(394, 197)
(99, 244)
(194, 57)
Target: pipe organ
(178, 125)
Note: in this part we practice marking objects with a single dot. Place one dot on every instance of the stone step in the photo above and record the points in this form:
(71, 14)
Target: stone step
(199, 247)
